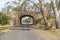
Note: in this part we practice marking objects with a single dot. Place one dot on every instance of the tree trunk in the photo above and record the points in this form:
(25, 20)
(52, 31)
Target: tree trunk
(43, 11)
(56, 13)
(59, 5)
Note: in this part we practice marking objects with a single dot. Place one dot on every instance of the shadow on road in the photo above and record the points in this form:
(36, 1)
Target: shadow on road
(24, 27)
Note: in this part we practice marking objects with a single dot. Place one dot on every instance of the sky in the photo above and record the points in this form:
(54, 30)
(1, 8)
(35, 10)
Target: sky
(2, 2)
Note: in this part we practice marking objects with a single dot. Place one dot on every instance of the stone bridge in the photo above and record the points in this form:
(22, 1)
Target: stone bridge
(34, 15)
(19, 15)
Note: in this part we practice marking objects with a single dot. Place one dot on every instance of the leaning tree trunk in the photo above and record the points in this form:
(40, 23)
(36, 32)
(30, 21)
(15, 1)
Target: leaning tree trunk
(43, 11)
(56, 13)
(59, 7)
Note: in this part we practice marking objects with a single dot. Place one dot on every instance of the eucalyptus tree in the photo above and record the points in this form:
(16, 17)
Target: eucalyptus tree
(59, 6)
(43, 12)
(17, 5)
(35, 6)
(24, 5)
(48, 7)
(7, 7)
(53, 2)
(20, 5)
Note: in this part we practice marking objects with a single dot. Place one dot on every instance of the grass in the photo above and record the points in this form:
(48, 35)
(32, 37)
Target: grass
(53, 34)
(4, 29)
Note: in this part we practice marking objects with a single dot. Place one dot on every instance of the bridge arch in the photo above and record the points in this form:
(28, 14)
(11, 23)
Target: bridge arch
(27, 16)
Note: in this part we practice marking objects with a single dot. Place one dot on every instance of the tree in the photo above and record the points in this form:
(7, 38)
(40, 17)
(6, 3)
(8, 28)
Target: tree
(43, 11)
(56, 13)
(19, 5)
(8, 6)
(48, 7)
(3, 19)
(36, 6)
(24, 5)
(59, 6)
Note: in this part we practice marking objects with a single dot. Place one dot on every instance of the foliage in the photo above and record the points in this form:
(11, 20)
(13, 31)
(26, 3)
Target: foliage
(17, 8)
(41, 6)
(3, 19)
(41, 24)
(48, 7)
(51, 19)
(20, 5)
(41, 21)
(28, 20)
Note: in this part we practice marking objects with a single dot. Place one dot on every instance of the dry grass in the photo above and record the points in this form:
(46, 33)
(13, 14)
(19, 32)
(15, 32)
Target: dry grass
(4, 28)
(51, 34)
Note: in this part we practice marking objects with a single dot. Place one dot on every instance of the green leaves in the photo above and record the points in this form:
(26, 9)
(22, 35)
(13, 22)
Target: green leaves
(3, 19)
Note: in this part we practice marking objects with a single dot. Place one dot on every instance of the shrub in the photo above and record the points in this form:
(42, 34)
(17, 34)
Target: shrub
(41, 21)
(3, 19)
(51, 19)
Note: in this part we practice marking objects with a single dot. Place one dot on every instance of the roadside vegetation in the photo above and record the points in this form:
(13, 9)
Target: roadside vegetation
(50, 12)
(4, 20)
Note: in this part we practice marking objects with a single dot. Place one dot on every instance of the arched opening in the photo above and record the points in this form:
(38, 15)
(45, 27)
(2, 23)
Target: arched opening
(26, 19)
